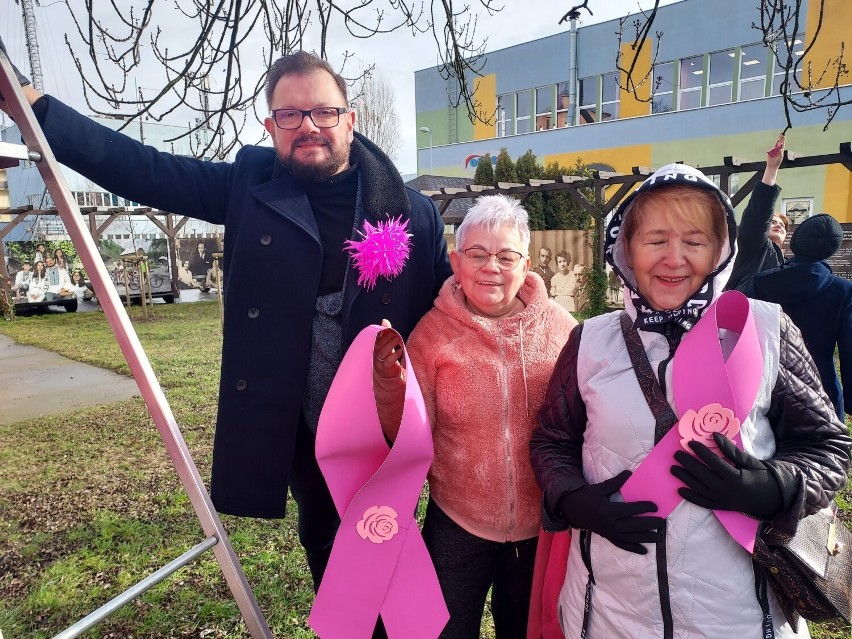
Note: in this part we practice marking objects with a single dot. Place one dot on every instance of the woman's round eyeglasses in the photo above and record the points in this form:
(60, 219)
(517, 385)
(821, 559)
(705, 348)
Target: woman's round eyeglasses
(506, 260)
(322, 117)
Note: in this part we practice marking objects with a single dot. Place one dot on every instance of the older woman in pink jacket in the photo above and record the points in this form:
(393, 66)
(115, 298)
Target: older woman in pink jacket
(483, 357)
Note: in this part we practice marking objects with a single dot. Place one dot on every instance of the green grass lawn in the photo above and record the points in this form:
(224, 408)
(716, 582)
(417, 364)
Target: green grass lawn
(90, 504)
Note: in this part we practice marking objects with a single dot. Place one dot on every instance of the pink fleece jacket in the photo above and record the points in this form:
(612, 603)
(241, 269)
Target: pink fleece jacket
(483, 381)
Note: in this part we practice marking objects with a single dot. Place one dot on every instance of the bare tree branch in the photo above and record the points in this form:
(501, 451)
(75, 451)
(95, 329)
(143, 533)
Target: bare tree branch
(780, 24)
(204, 73)
(642, 28)
(459, 57)
(376, 114)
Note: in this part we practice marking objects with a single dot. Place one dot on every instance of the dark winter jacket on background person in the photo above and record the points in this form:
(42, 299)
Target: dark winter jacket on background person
(820, 304)
(755, 251)
(269, 228)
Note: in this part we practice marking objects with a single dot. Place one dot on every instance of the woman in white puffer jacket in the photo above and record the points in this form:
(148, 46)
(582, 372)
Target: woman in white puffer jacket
(630, 572)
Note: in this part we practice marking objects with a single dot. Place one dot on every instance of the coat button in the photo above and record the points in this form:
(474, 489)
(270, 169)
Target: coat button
(266, 240)
(774, 570)
(241, 384)
(253, 313)
(386, 298)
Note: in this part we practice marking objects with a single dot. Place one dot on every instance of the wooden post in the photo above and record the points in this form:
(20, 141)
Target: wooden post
(126, 283)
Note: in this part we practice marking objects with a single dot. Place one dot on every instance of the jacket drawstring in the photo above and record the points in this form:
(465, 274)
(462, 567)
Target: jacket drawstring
(524, 366)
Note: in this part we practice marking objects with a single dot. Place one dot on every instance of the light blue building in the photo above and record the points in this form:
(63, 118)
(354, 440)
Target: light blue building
(718, 95)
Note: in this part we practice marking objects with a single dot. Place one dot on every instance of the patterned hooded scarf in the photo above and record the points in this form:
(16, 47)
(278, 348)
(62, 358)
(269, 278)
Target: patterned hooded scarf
(616, 252)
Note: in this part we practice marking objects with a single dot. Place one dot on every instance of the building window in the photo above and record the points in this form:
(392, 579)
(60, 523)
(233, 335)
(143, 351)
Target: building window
(588, 100)
(544, 108)
(796, 48)
(733, 181)
(721, 79)
(563, 104)
(502, 102)
(691, 83)
(610, 96)
(522, 112)
(663, 87)
(752, 72)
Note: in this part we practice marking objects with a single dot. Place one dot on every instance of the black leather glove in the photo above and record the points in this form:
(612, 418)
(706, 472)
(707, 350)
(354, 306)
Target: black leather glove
(589, 508)
(22, 79)
(747, 486)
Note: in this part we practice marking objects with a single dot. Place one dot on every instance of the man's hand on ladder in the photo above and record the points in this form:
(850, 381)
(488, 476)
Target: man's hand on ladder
(30, 92)
(24, 80)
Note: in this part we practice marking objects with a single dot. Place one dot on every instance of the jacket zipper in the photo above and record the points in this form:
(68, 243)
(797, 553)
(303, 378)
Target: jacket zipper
(507, 437)
(663, 585)
(673, 340)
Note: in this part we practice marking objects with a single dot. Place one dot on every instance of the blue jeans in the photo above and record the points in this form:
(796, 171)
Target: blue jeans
(468, 566)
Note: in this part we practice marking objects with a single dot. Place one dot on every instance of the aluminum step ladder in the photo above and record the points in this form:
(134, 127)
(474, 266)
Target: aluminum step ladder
(37, 150)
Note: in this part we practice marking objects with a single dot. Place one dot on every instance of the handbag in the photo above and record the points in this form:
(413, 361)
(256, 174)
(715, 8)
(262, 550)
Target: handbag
(811, 573)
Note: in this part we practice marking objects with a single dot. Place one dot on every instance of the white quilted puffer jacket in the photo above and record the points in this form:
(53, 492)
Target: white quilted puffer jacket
(710, 577)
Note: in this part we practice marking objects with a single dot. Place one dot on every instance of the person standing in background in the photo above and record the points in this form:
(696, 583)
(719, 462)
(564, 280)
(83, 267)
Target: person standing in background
(761, 231)
(562, 283)
(818, 302)
(545, 255)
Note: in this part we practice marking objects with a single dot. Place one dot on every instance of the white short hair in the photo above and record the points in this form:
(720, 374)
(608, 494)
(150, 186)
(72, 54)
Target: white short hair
(493, 212)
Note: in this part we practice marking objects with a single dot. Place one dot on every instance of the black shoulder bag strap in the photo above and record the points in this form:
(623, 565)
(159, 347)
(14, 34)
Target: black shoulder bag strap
(664, 416)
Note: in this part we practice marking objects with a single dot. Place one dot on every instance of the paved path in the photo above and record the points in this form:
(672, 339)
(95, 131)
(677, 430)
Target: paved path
(35, 383)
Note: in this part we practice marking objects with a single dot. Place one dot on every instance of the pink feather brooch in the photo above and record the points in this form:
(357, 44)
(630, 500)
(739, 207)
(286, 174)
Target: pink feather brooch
(382, 253)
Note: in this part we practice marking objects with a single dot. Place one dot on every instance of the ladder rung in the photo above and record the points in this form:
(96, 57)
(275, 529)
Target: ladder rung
(92, 619)
(9, 151)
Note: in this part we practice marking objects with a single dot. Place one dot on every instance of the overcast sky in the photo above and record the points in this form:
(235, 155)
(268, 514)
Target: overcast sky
(396, 56)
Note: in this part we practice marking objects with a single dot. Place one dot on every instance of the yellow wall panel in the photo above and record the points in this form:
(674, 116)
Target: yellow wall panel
(622, 158)
(835, 29)
(631, 106)
(838, 193)
(485, 92)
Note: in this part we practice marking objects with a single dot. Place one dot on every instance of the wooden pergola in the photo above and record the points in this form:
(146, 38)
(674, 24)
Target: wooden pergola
(601, 205)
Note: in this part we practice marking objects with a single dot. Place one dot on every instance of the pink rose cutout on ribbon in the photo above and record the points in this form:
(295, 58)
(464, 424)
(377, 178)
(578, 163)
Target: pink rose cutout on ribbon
(700, 426)
(378, 524)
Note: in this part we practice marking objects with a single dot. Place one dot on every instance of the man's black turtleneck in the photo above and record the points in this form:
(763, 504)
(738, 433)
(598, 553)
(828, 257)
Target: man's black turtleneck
(333, 204)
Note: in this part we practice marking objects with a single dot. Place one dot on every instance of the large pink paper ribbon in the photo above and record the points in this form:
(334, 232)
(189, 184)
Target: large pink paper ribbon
(700, 376)
(379, 564)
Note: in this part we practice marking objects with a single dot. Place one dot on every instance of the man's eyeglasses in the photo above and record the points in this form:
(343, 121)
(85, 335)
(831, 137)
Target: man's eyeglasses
(322, 117)
(506, 260)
